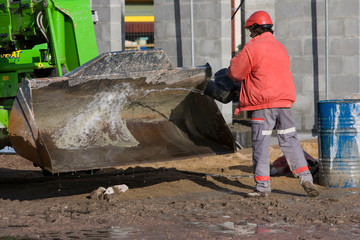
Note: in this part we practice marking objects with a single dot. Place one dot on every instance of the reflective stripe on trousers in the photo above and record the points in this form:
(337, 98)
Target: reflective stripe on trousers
(262, 124)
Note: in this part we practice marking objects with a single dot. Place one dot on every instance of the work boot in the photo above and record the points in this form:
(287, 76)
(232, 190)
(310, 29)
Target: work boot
(258, 194)
(310, 189)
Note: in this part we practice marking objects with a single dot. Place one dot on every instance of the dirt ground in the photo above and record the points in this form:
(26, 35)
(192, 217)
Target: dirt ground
(197, 198)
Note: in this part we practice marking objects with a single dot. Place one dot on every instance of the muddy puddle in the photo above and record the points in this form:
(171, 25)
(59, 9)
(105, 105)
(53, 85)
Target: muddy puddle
(225, 230)
(171, 200)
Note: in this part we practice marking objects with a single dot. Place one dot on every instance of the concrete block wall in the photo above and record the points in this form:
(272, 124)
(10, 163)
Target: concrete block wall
(344, 17)
(212, 35)
(300, 26)
(109, 29)
(212, 32)
(296, 26)
(257, 5)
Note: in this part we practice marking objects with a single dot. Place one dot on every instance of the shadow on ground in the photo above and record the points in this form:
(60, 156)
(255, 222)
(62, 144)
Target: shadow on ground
(32, 185)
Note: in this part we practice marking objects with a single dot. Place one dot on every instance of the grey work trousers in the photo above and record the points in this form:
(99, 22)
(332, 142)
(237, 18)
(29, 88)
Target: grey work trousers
(262, 123)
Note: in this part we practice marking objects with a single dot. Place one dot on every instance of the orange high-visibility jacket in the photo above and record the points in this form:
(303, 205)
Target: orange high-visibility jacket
(263, 66)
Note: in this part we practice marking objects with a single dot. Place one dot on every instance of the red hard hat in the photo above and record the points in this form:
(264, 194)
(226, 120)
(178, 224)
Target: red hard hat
(260, 18)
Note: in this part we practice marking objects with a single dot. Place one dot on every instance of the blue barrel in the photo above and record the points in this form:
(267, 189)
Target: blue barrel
(339, 143)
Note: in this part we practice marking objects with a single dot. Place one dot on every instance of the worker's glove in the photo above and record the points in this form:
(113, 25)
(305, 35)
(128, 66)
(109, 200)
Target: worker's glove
(222, 88)
(237, 111)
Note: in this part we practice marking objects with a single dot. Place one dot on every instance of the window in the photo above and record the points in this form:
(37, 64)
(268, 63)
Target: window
(139, 25)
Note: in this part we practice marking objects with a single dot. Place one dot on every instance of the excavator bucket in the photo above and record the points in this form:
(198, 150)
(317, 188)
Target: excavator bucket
(118, 109)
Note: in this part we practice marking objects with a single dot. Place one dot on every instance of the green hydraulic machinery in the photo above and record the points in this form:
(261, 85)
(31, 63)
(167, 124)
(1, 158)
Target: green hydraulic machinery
(41, 38)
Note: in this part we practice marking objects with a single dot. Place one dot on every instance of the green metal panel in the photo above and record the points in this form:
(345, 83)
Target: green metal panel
(80, 39)
(49, 11)
(22, 61)
(8, 84)
(68, 40)
(58, 20)
(4, 118)
(68, 25)
(5, 20)
(22, 18)
(5, 107)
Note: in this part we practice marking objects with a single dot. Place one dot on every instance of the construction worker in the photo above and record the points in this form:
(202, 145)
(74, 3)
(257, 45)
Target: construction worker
(268, 90)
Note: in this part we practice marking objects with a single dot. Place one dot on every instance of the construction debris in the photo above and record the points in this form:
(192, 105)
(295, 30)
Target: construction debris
(102, 193)
(280, 165)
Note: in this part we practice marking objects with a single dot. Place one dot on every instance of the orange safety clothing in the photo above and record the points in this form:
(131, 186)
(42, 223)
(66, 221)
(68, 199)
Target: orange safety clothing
(263, 66)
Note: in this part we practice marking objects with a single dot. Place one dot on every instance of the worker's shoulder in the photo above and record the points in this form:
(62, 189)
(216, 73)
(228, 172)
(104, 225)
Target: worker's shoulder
(267, 41)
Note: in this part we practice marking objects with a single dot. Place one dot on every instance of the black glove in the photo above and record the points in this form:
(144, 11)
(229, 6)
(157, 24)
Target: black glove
(222, 88)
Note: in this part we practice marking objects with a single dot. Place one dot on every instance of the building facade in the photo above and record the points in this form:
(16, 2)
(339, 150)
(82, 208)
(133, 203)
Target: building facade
(201, 31)
(298, 24)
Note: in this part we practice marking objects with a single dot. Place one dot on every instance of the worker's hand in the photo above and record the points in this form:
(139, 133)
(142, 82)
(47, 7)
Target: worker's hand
(237, 111)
